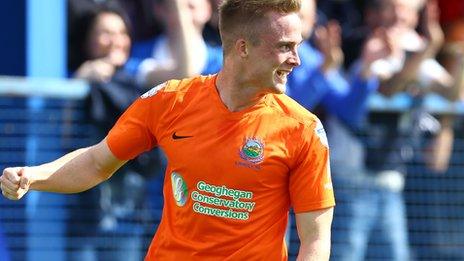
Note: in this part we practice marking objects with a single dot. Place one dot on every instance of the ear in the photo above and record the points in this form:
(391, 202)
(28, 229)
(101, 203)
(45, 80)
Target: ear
(241, 47)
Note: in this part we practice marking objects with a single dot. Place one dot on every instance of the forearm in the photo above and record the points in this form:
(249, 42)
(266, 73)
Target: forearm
(314, 233)
(75, 172)
(399, 81)
(186, 40)
(452, 59)
(314, 250)
(439, 153)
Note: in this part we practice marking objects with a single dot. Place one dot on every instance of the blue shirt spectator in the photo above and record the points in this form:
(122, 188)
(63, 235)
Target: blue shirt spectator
(156, 49)
(339, 96)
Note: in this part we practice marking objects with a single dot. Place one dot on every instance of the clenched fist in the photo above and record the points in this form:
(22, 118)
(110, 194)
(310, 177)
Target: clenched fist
(14, 182)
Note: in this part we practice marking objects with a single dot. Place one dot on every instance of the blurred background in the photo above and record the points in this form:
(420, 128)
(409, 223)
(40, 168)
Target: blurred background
(69, 68)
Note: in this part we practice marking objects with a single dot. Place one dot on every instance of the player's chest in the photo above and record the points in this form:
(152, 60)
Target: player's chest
(242, 152)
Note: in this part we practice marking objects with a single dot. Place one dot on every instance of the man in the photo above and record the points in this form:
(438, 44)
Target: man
(321, 84)
(369, 164)
(320, 81)
(240, 153)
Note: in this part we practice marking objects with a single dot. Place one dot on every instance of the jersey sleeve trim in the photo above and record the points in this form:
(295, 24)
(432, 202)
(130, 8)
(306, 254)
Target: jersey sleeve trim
(109, 143)
(314, 206)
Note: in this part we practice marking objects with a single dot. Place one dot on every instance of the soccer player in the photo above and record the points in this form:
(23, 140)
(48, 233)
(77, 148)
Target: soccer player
(240, 152)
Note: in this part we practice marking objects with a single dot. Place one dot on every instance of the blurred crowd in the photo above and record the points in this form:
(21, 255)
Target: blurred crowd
(352, 49)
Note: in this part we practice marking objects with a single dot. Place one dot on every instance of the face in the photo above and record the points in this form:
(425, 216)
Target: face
(308, 17)
(385, 16)
(109, 39)
(270, 62)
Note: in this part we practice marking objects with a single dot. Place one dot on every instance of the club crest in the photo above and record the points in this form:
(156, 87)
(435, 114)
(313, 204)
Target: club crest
(252, 151)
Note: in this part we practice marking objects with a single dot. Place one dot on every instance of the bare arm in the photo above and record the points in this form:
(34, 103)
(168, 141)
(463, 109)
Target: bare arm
(438, 153)
(399, 81)
(452, 58)
(98, 70)
(74, 172)
(184, 40)
(328, 41)
(314, 233)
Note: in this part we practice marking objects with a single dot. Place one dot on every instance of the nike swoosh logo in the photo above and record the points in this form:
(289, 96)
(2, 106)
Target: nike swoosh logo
(177, 137)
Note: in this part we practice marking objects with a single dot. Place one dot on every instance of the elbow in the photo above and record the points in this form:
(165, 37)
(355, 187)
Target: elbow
(103, 174)
(101, 169)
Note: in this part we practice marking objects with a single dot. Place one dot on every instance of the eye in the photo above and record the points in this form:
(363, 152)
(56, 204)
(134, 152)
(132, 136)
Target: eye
(285, 48)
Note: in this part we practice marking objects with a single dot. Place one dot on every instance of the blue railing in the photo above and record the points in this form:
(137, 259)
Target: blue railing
(40, 119)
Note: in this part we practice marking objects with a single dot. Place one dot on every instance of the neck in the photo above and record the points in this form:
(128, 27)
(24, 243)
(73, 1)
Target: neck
(234, 93)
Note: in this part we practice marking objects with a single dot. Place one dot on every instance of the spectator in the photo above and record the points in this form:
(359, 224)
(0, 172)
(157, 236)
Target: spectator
(181, 51)
(371, 194)
(99, 44)
(320, 84)
(107, 222)
(413, 64)
(418, 72)
(428, 196)
(346, 12)
(376, 14)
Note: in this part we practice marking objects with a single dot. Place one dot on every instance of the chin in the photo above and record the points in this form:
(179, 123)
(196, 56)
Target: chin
(278, 88)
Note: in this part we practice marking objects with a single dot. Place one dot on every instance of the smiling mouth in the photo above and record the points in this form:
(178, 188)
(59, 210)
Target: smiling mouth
(283, 74)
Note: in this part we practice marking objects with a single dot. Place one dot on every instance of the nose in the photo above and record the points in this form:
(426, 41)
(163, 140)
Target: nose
(120, 40)
(397, 15)
(294, 60)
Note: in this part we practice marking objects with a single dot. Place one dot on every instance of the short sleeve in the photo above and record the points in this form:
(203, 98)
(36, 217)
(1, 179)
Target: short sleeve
(134, 132)
(310, 183)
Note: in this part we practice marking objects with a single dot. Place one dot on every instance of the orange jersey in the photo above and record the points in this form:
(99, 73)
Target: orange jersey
(231, 176)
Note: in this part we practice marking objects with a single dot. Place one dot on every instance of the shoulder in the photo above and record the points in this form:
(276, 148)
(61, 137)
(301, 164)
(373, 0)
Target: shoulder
(288, 108)
(301, 123)
(179, 86)
(186, 84)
